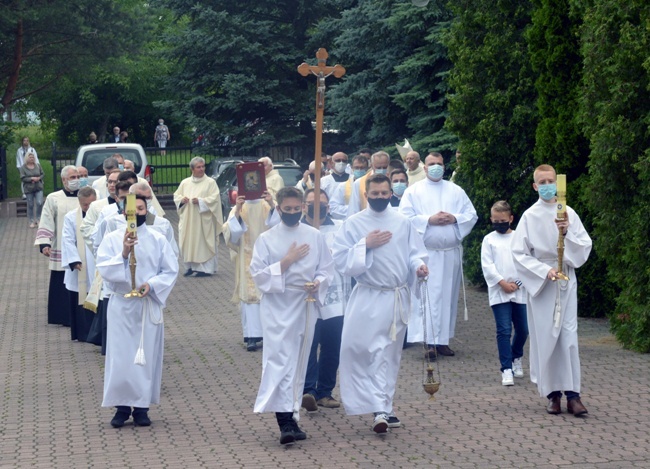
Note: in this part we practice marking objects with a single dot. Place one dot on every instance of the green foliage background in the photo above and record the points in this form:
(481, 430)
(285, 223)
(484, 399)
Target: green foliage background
(615, 114)
(512, 83)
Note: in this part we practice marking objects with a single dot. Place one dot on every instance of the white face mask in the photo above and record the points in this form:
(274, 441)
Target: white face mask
(436, 171)
(340, 166)
(73, 185)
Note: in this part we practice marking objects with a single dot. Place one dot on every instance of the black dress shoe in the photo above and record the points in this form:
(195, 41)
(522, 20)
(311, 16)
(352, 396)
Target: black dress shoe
(445, 350)
(203, 274)
(141, 418)
(251, 345)
(575, 407)
(431, 353)
(121, 416)
(553, 406)
(188, 273)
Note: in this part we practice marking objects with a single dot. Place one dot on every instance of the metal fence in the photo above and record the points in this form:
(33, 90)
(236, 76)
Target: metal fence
(171, 165)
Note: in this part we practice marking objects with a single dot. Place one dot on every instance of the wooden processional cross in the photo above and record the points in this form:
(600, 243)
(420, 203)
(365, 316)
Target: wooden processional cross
(321, 71)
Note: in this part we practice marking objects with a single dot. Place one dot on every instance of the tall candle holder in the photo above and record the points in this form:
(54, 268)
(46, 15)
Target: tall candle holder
(561, 215)
(132, 229)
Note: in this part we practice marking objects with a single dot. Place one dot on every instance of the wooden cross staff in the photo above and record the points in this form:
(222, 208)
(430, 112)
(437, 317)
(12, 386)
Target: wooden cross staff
(321, 71)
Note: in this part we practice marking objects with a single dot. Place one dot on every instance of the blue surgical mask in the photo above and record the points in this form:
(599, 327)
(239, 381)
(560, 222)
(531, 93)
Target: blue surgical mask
(547, 191)
(436, 171)
(120, 206)
(399, 188)
(121, 166)
(381, 171)
(359, 173)
(83, 182)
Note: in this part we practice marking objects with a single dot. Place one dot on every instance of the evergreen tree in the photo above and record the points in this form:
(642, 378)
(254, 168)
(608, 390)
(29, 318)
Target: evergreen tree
(369, 46)
(41, 41)
(236, 81)
(615, 111)
(422, 87)
(554, 48)
(492, 109)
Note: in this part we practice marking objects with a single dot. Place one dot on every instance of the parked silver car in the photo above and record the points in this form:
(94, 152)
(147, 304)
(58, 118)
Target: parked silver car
(227, 181)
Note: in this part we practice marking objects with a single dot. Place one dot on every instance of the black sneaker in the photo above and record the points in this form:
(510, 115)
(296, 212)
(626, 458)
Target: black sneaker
(393, 422)
(188, 273)
(287, 435)
(120, 418)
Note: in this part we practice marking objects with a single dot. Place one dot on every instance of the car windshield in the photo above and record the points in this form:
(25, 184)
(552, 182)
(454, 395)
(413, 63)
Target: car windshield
(93, 160)
(226, 176)
(290, 175)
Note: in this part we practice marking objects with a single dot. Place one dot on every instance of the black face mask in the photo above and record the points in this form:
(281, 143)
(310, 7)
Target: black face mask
(290, 219)
(323, 210)
(140, 219)
(378, 204)
(502, 227)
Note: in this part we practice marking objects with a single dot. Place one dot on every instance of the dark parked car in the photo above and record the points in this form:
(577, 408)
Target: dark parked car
(215, 167)
(227, 181)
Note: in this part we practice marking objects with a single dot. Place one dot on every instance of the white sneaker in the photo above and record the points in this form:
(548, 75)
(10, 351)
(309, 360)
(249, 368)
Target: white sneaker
(517, 369)
(506, 378)
(380, 424)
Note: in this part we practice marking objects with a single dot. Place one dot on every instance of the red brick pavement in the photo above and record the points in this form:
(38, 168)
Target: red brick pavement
(51, 389)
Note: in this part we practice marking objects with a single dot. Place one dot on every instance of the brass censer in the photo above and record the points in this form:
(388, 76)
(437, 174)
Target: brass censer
(430, 385)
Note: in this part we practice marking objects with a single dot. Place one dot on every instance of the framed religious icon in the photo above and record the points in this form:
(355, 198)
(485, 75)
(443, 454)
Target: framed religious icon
(251, 180)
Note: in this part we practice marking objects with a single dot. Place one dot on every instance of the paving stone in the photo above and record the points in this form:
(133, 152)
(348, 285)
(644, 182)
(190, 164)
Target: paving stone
(51, 391)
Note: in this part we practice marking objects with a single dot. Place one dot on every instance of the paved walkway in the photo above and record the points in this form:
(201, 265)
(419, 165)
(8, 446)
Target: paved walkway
(51, 389)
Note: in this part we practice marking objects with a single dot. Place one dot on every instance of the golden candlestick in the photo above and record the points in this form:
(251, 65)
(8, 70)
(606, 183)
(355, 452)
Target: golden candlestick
(132, 229)
(561, 215)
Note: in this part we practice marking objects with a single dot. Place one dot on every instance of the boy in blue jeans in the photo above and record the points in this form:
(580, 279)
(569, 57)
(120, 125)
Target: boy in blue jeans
(506, 295)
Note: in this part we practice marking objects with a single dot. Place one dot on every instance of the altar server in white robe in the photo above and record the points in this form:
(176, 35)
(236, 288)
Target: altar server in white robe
(378, 165)
(291, 262)
(48, 239)
(247, 220)
(326, 346)
(384, 253)
(135, 340)
(443, 215)
(200, 221)
(554, 359)
(79, 262)
(89, 225)
(338, 176)
(340, 196)
(117, 221)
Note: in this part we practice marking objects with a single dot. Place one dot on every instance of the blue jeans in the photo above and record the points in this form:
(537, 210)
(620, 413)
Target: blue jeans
(34, 198)
(506, 315)
(570, 395)
(322, 368)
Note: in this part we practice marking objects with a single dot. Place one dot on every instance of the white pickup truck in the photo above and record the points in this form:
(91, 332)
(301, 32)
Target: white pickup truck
(92, 158)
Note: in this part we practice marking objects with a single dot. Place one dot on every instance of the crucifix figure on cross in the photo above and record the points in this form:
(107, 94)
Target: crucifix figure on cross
(321, 71)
